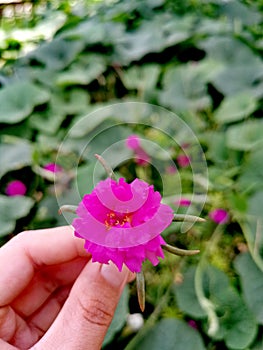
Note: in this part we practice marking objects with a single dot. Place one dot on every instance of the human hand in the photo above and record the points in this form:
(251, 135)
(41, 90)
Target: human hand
(52, 296)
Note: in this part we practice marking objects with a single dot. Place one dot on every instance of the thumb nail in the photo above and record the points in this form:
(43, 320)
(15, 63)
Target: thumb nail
(113, 276)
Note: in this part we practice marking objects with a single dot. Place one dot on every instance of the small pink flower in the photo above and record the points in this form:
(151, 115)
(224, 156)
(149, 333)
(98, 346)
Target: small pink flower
(183, 160)
(133, 142)
(141, 157)
(53, 167)
(122, 222)
(220, 216)
(16, 188)
(192, 324)
(171, 169)
(183, 202)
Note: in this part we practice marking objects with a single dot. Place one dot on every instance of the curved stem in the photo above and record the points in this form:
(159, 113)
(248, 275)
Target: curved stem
(67, 208)
(178, 251)
(106, 166)
(188, 218)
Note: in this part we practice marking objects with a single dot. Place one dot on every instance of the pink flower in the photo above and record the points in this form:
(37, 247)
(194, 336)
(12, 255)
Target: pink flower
(183, 202)
(53, 167)
(220, 216)
(141, 157)
(15, 188)
(192, 324)
(133, 142)
(183, 160)
(122, 222)
(171, 169)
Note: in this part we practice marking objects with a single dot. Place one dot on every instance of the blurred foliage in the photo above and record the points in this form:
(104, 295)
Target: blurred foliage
(63, 60)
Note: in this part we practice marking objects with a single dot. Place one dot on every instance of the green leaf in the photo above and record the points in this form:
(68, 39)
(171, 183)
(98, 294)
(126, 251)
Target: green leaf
(168, 334)
(82, 73)
(221, 48)
(217, 150)
(237, 325)
(185, 88)
(58, 53)
(141, 78)
(86, 179)
(252, 228)
(18, 100)
(92, 31)
(14, 156)
(119, 318)
(235, 107)
(246, 136)
(255, 204)
(252, 172)
(153, 36)
(252, 284)
(236, 74)
(237, 78)
(47, 121)
(11, 209)
(186, 297)
(235, 10)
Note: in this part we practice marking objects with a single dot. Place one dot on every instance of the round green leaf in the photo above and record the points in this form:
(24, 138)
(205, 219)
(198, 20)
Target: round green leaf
(237, 325)
(185, 88)
(186, 297)
(58, 53)
(252, 172)
(235, 107)
(11, 209)
(245, 136)
(169, 334)
(252, 284)
(18, 100)
(14, 156)
(82, 74)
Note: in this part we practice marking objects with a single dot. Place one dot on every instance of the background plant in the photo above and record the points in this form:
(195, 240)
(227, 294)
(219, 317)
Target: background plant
(203, 61)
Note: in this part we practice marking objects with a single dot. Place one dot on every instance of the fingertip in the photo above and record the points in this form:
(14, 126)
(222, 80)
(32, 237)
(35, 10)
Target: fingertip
(113, 276)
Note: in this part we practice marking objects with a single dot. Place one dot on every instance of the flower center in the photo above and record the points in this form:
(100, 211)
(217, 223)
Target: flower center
(118, 220)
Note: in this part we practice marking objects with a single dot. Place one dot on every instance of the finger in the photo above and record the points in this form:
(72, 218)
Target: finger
(6, 346)
(88, 310)
(28, 251)
(24, 333)
(45, 316)
(44, 283)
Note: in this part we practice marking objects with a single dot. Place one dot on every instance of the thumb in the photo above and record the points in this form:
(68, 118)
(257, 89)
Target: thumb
(89, 309)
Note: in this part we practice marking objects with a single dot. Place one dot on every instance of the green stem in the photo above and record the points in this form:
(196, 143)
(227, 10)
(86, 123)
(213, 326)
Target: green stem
(188, 218)
(205, 303)
(178, 251)
(67, 208)
(106, 166)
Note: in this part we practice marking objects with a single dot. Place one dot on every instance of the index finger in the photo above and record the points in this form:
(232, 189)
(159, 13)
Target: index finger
(31, 250)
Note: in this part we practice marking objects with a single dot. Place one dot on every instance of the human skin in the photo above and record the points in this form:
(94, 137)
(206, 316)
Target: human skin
(52, 296)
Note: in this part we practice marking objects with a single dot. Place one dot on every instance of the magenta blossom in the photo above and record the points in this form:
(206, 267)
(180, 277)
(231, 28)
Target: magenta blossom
(183, 160)
(141, 156)
(15, 188)
(183, 202)
(192, 324)
(53, 167)
(133, 142)
(122, 222)
(171, 169)
(220, 216)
